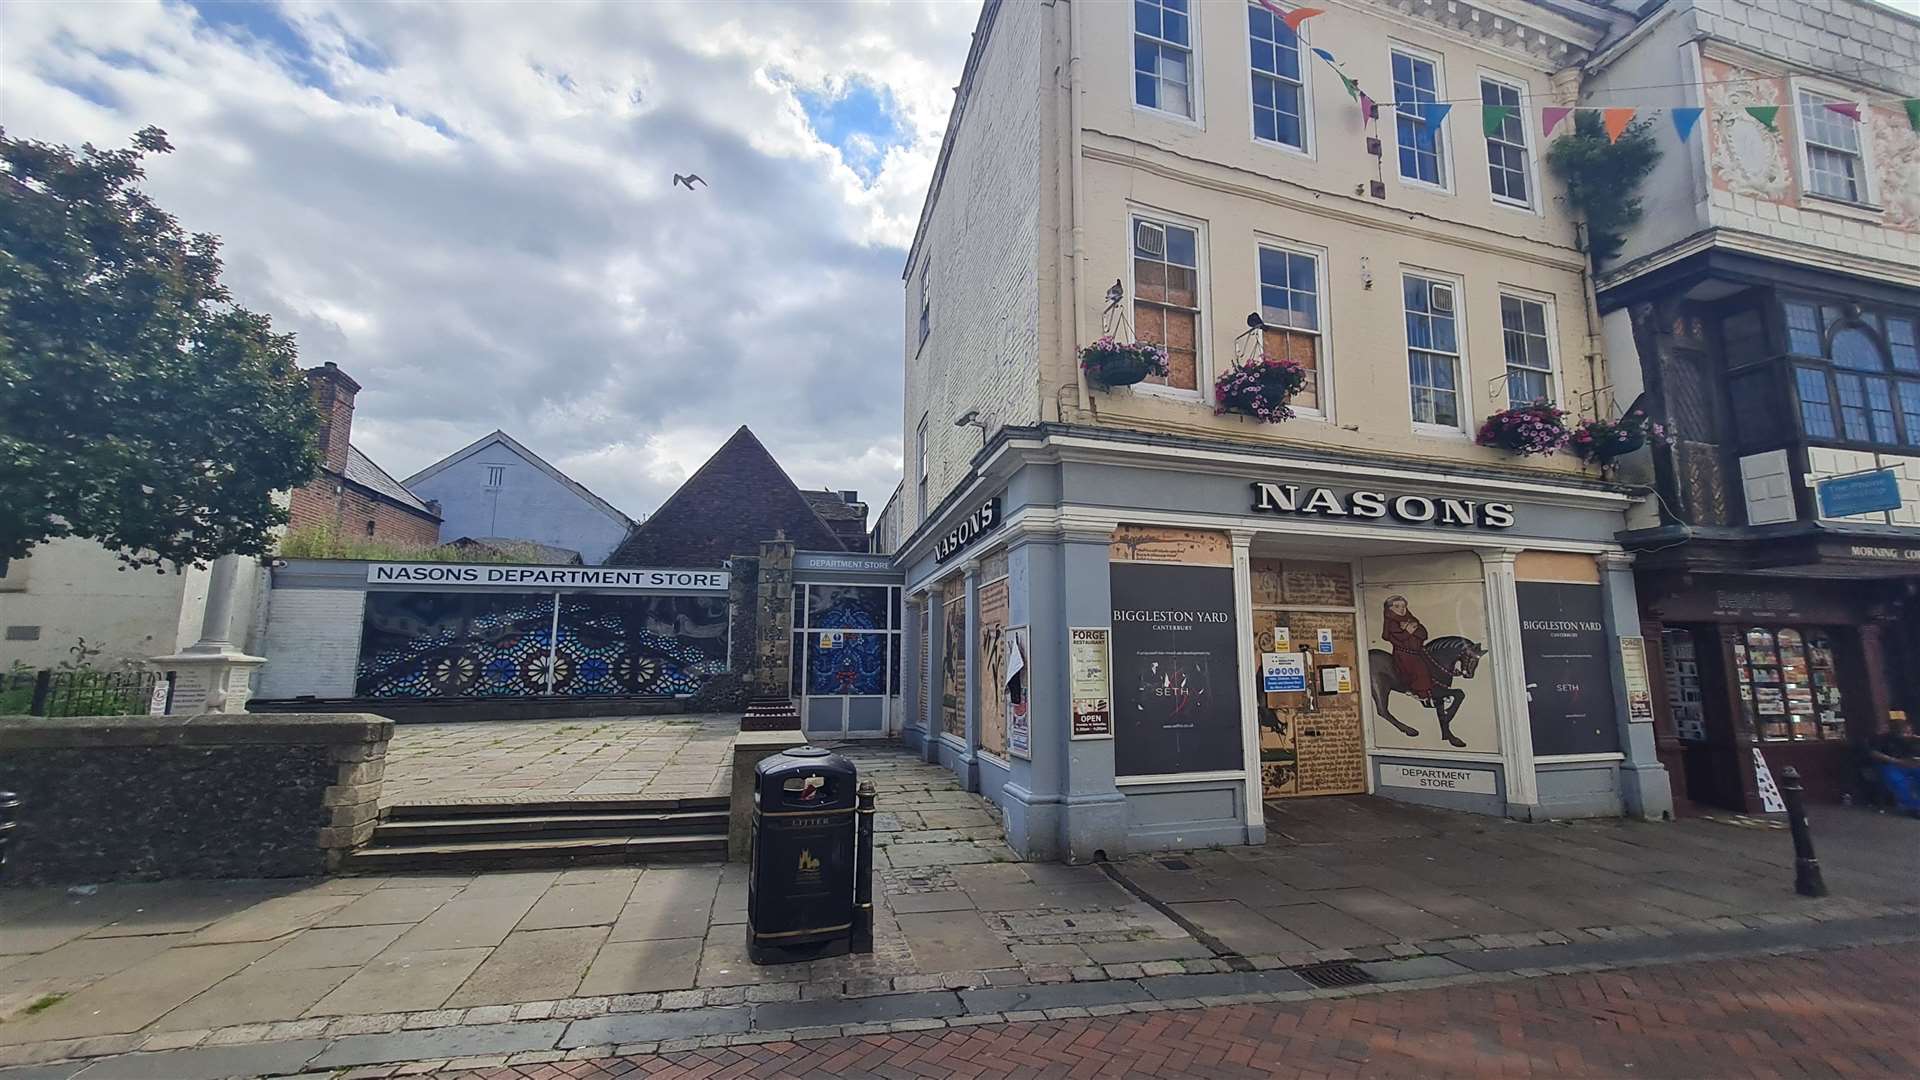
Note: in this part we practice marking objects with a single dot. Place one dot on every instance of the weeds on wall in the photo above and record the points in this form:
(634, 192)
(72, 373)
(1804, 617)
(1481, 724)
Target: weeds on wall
(325, 542)
(1603, 178)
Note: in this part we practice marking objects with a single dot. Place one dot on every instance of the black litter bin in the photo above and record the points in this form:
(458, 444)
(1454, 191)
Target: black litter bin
(800, 878)
(9, 813)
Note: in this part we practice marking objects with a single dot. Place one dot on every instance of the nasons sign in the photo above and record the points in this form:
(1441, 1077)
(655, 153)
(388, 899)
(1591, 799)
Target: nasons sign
(1374, 505)
(971, 528)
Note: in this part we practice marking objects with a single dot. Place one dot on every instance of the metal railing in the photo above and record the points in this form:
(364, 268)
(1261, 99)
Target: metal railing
(53, 692)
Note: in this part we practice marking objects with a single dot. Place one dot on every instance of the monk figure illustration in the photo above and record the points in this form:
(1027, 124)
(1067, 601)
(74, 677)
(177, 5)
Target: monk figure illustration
(1423, 668)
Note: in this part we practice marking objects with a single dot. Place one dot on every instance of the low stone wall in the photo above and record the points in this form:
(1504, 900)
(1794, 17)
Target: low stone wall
(108, 798)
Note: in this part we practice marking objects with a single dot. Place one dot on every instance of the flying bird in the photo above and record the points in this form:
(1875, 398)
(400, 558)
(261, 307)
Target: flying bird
(689, 180)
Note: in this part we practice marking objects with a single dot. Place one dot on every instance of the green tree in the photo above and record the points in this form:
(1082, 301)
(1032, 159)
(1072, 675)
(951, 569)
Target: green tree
(139, 406)
(1603, 178)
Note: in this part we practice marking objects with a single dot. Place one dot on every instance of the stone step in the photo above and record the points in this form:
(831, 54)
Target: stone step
(538, 825)
(532, 853)
(509, 807)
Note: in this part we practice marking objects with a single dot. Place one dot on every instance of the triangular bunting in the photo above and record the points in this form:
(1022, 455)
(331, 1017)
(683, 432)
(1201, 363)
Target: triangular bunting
(1550, 118)
(1294, 18)
(1325, 55)
(1848, 109)
(1434, 113)
(1683, 121)
(1913, 112)
(1278, 15)
(1494, 117)
(1616, 121)
(1765, 114)
(1368, 108)
(1353, 88)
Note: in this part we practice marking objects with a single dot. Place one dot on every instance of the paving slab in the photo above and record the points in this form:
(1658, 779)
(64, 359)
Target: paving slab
(406, 904)
(272, 918)
(1239, 927)
(637, 967)
(464, 922)
(439, 1043)
(1140, 952)
(255, 996)
(179, 911)
(1327, 927)
(135, 997)
(83, 959)
(953, 941)
(653, 1027)
(532, 965)
(211, 1062)
(397, 981)
(324, 947)
(578, 905)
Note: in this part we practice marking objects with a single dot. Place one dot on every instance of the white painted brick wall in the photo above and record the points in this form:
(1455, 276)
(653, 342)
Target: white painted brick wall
(983, 237)
(312, 642)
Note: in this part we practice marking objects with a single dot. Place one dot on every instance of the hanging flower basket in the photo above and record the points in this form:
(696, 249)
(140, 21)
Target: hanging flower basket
(1534, 428)
(1109, 363)
(1605, 440)
(1260, 388)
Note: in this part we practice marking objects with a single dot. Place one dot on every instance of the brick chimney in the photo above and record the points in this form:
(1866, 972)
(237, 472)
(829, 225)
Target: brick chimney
(333, 392)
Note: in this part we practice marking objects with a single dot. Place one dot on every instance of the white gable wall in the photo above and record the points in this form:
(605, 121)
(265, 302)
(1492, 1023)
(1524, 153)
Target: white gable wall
(529, 505)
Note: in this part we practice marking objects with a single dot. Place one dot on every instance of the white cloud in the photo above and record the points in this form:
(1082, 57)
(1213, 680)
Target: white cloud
(467, 207)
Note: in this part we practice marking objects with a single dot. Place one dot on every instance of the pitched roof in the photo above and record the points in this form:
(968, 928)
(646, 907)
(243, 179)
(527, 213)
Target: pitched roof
(530, 458)
(738, 498)
(540, 553)
(830, 506)
(361, 470)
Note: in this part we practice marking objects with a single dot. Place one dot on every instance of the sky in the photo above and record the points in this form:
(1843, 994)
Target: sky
(469, 208)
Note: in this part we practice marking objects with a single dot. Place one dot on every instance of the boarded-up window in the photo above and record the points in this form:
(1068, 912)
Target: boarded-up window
(1166, 290)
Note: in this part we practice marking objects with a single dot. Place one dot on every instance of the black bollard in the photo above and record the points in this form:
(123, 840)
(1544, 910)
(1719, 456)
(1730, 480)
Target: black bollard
(1806, 869)
(9, 814)
(862, 936)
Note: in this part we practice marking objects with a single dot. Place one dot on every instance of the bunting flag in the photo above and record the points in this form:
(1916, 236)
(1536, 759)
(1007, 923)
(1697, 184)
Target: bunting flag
(1369, 109)
(1616, 121)
(1848, 109)
(1913, 113)
(1550, 118)
(1683, 121)
(1494, 117)
(1434, 113)
(1765, 114)
(1294, 18)
(1325, 55)
(1353, 88)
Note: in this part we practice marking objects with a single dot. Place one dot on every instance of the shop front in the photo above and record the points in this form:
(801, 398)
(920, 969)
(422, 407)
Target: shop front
(1147, 641)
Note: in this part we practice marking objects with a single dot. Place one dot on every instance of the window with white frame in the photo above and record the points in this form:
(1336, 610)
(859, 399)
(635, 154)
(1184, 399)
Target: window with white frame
(1163, 56)
(1166, 296)
(1279, 92)
(1832, 144)
(1416, 82)
(1433, 350)
(926, 296)
(1290, 308)
(496, 475)
(920, 442)
(1507, 170)
(1524, 331)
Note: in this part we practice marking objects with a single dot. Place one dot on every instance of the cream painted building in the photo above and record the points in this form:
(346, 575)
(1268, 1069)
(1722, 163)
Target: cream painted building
(1138, 617)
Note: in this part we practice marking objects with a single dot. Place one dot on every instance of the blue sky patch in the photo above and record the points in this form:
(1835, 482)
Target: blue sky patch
(861, 122)
(265, 23)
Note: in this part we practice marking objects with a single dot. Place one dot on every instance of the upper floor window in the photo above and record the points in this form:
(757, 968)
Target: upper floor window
(1416, 82)
(1166, 296)
(1433, 350)
(1163, 56)
(926, 296)
(1507, 169)
(1867, 391)
(920, 444)
(1290, 308)
(1279, 93)
(496, 475)
(1831, 140)
(1524, 332)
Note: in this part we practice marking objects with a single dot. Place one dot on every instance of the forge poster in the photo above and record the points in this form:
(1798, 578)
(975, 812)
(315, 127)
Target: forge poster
(1176, 676)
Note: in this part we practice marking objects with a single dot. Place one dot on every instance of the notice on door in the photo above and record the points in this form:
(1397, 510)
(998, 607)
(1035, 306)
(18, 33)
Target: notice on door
(1436, 778)
(1091, 682)
(1283, 673)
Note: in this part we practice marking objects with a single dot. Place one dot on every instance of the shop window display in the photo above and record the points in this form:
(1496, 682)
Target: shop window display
(1788, 687)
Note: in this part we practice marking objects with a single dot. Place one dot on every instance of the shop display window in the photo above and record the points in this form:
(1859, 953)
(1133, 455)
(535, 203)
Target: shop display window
(1683, 684)
(1788, 687)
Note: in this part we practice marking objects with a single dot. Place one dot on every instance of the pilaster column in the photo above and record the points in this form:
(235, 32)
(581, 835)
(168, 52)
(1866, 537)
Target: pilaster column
(1095, 818)
(1242, 539)
(1645, 788)
(930, 719)
(970, 576)
(210, 675)
(1510, 680)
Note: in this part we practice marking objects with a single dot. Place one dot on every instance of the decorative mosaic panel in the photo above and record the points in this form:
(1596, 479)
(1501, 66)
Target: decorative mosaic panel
(847, 663)
(638, 644)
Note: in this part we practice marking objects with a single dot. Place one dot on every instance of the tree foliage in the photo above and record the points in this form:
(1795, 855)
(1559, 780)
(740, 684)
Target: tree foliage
(139, 406)
(1603, 178)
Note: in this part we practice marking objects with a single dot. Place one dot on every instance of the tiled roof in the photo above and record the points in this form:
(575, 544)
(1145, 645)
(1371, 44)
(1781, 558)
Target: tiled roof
(361, 470)
(829, 505)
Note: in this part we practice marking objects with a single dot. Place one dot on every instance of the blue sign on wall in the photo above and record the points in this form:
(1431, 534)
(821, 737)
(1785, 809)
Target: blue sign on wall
(1859, 493)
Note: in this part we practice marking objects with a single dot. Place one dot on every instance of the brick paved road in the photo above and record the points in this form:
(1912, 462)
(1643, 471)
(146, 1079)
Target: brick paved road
(1843, 1013)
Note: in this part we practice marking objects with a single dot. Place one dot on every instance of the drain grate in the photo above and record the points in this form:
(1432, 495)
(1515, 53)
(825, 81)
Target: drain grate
(1333, 973)
(1176, 864)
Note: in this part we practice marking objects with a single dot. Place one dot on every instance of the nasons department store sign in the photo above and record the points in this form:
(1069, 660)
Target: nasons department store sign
(1374, 505)
(496, 576)
(971, 528)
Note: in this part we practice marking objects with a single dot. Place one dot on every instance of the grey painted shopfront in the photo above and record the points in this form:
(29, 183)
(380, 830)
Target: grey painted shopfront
(1129, 643)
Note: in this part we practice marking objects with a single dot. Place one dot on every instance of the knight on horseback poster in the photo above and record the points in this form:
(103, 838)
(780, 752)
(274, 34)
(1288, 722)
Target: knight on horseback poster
(1434, 632)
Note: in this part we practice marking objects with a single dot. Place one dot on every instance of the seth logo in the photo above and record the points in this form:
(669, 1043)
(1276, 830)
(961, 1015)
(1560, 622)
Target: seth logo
(807, 861)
